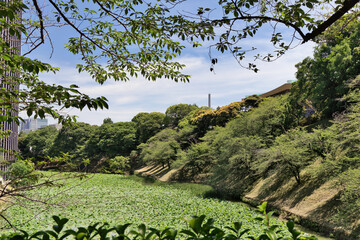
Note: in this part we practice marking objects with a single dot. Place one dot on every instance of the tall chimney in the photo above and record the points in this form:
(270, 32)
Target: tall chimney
(209, 100)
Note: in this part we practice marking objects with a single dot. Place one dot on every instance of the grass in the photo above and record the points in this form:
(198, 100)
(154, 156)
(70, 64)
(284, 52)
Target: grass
(117, 200)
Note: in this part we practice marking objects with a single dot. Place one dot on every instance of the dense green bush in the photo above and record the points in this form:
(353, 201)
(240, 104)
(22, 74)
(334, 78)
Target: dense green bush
(22, 173)
(118, 164)
(290, 153)
(160, 149)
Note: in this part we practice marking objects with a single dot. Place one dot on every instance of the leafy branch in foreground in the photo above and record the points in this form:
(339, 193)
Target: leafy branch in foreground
(198, 228)
(122, 39)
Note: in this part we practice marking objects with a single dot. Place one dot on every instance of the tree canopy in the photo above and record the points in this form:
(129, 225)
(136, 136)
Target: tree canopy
(323, 79)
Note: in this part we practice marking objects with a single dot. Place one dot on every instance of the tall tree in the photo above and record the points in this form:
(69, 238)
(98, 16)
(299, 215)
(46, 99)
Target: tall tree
(147, 125)
(322, 80)
(175, 113)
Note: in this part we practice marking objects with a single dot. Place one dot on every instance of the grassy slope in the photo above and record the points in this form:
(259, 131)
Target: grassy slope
(310, 204)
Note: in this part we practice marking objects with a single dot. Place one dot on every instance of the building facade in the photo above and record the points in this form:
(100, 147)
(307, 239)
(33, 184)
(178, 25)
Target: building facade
(33, 124)
(9, 143)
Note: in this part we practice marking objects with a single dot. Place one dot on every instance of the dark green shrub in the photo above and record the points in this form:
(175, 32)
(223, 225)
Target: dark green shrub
(22, 173)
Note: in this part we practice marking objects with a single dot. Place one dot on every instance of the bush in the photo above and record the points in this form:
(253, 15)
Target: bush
(291, 152)
(22, 173)
(118, 164)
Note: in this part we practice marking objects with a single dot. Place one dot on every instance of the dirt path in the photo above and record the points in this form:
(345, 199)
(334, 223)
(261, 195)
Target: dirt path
(160, 173)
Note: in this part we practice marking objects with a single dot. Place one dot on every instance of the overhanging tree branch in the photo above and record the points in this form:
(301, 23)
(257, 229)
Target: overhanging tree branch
(347, 5)
(76, 29)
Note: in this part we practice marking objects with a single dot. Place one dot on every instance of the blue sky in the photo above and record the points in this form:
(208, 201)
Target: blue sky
(229, 83)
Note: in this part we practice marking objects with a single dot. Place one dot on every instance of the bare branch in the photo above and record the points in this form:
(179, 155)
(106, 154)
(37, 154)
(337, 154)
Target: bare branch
(3, 217)
(297, 29)
(41, 20)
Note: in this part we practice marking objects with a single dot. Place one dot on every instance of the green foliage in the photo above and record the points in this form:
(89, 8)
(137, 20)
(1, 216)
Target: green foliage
(291, 152)
(235, 159)
(71, 140)
(118, 199)
(161, 148)
(38, 144)
(340, 141)
(112, 139)
(196, 160)
(198, 228)
(22, 173)
(175, 113)
(130, 200)
(205, 119)
(187, 136)
(107, 120)
(348, 183)
(81, 147)
(232, 154)
(147, 125)
(322, 81)
(118, 165)
(63, 162)
(251, 17)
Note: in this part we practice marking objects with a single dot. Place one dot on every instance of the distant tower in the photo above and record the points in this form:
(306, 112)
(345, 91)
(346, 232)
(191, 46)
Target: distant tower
(209, 100)
(9, 143)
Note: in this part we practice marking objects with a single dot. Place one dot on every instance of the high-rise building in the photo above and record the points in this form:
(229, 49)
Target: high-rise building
(32, 124)
(10, 143)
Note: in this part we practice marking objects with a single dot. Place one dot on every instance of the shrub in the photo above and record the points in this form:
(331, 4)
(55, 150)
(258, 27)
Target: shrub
(22, 173)
(118, 164)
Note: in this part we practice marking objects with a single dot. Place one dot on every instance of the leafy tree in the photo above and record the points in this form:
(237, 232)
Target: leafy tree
(110, 140)
(160, 149)
(322, 81)
(107, 120)
(175, 113)
(198, 159)
(202, 119)
(72, 140)
(235, 156)
(21, 173)
(341, 141)
(187, 136)
(118, 165)
(38, 144)
(147, 125)
(291, 152)
(267, 121)
(205, 119)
